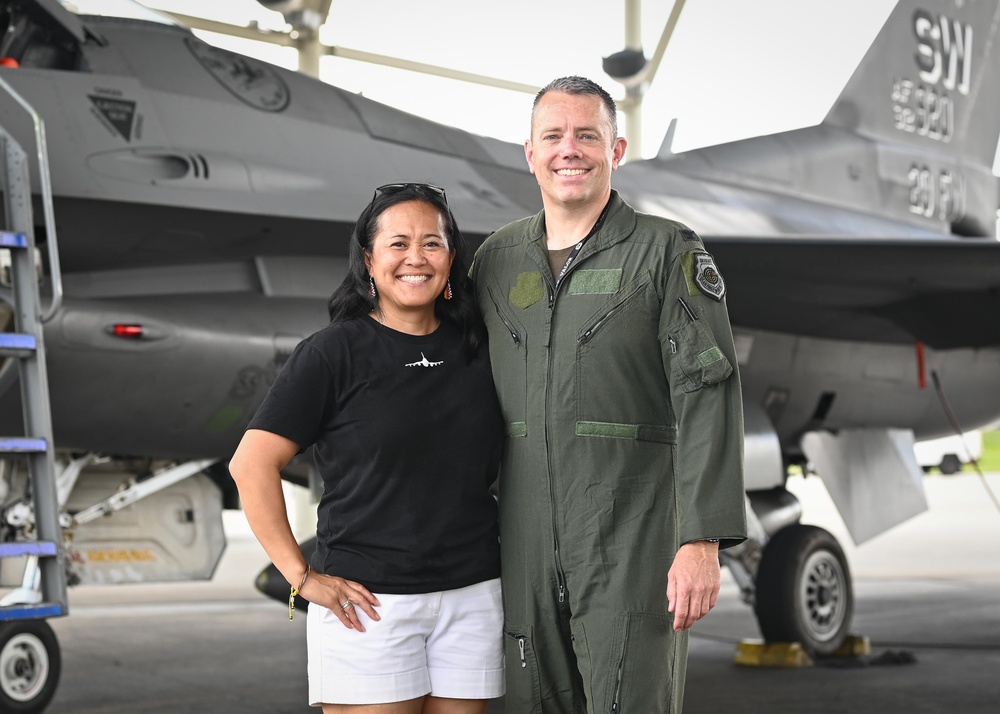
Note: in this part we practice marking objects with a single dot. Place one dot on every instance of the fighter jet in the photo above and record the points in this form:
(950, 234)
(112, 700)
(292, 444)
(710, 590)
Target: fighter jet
(201, 204)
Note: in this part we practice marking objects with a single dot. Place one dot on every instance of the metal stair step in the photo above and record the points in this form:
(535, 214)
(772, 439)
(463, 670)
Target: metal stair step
(22, 445)
(32, 612)
(13, 240)
(16, 344)
(37, 547)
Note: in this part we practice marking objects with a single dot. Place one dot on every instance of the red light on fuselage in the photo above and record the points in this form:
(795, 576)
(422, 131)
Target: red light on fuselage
(134, 332)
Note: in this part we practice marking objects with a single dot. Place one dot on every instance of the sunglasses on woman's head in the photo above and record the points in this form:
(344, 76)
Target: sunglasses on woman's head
(391, 188)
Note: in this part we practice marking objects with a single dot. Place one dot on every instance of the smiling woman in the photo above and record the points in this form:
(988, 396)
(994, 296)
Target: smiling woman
(406, 243)
(396, 398)
(409, 263)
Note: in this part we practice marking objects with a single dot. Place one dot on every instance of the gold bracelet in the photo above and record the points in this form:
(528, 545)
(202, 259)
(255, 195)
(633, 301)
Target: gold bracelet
(295, 591)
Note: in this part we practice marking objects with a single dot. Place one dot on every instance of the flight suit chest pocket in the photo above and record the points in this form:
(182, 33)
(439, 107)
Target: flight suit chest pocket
(610, 314)
(694, 356)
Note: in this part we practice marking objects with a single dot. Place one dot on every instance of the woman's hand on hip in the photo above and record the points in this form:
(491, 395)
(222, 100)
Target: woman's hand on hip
(343, 598)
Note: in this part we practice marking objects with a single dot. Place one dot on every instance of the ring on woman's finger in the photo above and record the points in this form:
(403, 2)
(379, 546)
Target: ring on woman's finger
(346, 604)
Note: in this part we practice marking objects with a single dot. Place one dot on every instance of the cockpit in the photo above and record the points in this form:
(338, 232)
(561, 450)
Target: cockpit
(48, 34)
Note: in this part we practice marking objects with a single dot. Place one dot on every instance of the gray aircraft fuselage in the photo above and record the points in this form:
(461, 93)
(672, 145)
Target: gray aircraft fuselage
(208, 198)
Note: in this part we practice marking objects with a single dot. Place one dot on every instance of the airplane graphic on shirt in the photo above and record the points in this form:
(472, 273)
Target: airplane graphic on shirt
(423, 362)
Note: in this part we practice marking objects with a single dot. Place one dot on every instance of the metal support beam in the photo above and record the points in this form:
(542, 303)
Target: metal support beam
(431, 69)
(632, 108)
(284, 39)
(631, 105)
(154, 484)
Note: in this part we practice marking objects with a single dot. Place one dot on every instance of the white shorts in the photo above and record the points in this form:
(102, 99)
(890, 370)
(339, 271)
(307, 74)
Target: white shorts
(447, 644)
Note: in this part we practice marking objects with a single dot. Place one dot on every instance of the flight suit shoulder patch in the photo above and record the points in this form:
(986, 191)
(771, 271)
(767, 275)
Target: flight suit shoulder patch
(527, 290)
(702, 275)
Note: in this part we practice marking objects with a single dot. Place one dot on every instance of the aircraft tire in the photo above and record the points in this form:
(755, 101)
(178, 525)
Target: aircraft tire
(950, 464)
(30, 664)
(804, 590)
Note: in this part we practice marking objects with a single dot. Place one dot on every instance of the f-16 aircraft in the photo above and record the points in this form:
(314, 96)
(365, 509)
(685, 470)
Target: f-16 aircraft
(201, 206)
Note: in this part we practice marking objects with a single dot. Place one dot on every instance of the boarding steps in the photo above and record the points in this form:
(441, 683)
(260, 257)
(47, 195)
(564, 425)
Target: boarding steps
(39, 541)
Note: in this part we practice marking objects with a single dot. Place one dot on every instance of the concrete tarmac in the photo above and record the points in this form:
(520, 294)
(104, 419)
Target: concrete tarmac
(927, 596)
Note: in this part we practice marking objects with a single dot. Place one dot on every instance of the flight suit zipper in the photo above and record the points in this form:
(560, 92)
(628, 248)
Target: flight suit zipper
(560, 577)
(621, 667)
(603, 320)
(585, 337)
(506, 323)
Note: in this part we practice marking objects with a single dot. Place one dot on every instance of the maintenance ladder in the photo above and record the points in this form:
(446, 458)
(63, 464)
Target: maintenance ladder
(45, 571)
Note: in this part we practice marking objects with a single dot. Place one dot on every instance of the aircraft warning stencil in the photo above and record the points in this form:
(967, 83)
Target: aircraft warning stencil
(118, 114)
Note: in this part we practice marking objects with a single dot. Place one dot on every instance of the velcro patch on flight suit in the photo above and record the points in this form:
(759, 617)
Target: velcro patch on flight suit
(595, 282)
(710, 356)
(528, 290)
(517, 428)
(702, 275)
(636, 432)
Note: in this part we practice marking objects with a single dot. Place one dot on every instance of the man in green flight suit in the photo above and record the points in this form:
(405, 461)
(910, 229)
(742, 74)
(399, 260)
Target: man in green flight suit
(622, 472)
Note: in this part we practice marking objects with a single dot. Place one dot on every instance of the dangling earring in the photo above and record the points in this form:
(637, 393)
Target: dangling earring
(371, 290)
(447, 290)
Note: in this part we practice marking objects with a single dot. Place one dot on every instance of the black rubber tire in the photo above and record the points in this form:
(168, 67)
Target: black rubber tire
(804, 590)
(30, 665)
(950, 464)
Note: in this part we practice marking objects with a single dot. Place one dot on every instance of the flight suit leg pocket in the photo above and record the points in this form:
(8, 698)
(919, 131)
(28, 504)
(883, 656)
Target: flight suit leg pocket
(642, 667)
(523, 687)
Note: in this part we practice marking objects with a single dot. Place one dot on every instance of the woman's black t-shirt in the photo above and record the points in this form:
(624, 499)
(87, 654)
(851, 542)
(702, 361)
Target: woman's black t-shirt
(408, 437)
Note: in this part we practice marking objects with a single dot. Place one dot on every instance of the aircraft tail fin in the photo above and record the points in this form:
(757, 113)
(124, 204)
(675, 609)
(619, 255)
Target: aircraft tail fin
(667, 147)
(934, 70)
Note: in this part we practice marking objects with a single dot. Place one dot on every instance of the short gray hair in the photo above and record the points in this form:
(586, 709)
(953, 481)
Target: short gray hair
(580, 85)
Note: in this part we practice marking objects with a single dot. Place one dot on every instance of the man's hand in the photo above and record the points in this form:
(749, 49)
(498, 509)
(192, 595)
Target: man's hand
(693, 583)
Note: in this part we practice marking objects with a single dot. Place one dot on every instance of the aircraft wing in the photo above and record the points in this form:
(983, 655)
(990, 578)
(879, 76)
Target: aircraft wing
(943, 292)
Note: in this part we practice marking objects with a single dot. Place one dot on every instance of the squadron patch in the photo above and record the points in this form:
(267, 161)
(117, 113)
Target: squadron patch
(707, 276)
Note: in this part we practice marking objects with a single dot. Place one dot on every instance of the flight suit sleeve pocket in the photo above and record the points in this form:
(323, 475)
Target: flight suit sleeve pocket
(694, 357)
